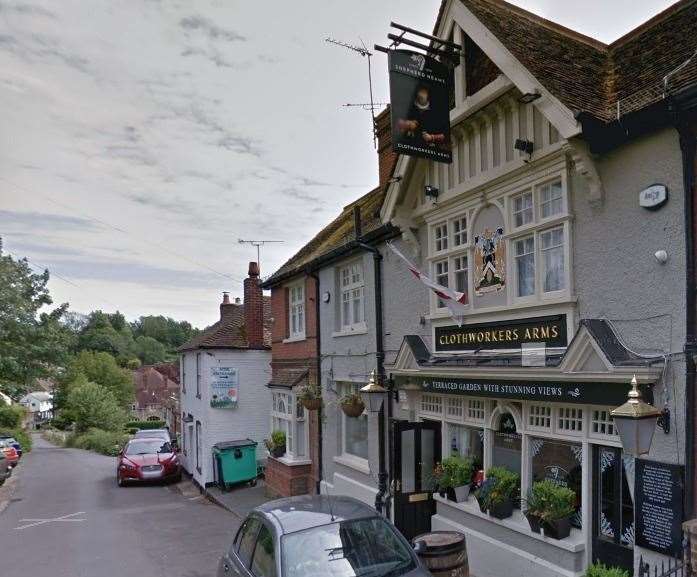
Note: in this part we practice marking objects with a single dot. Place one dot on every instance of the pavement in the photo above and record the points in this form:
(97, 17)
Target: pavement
(64, 516)
(239, 500)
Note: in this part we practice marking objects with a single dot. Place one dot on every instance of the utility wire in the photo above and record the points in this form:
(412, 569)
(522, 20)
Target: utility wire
(122, 231)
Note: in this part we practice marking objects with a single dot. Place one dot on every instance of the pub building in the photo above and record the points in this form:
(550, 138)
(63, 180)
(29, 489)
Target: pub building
(561, 218)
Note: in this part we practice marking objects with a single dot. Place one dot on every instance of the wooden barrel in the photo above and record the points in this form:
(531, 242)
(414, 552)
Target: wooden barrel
(445, 554)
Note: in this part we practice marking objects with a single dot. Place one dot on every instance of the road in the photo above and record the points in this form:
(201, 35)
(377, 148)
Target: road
(68, 518)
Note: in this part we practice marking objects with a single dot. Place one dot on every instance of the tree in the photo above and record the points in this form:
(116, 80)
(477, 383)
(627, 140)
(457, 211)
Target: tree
(99, 334)
(100, 368)
(11, 416)
(150, 350)
(33, 344)
(93, 406)
(166, 330)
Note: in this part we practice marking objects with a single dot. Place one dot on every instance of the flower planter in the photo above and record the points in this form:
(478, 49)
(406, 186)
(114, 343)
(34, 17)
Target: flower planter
(534, 521)
(557, 529)
(354, 409)
(502, 510)
(312, 404)
(278, 452)
(462, 493)
(482, 506)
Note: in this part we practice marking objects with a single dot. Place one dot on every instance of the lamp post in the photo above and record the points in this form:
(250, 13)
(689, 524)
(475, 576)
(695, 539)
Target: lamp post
(373, 395)
(636, 422)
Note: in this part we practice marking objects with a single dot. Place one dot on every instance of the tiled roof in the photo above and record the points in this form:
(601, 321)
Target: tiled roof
(587, 75)
(229, 332)
(336, 234)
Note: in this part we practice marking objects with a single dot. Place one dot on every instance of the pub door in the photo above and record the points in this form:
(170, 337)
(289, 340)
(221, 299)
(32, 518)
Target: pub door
(613, 510)
(417, 450)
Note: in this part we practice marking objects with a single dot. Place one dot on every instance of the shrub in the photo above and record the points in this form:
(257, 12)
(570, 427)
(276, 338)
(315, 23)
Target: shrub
(600, 570)
(550, 501)
(11, 416)
(94, 406)
(454, 472)
(500, 485)
(145, 425)
(277, 441)
(104, 442)
(20, 435)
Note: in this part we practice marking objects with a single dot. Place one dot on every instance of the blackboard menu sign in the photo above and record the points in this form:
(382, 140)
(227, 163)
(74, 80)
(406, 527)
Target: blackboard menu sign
(658, 492)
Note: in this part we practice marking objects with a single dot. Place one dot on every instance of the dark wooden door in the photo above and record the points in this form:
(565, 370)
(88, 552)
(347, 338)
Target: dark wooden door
(417, 450)
(613, 510)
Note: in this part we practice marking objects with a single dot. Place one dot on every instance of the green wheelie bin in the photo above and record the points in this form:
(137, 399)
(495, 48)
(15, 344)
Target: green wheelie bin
(236, 462)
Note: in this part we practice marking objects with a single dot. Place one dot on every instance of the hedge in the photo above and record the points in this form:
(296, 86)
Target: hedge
(145, 425)
(20, 435)
(104, 442)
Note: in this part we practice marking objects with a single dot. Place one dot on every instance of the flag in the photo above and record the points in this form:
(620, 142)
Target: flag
(454, 300)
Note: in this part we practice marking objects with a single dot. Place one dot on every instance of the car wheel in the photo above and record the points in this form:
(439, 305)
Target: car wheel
(119, 481)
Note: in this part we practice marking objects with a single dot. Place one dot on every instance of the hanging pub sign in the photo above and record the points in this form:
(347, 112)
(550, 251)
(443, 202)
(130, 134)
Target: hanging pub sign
(420, 107)
(585, 393)
(548, 330)
(224, 386)
(658, 498)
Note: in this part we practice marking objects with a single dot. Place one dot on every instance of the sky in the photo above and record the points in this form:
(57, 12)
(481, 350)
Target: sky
(140, 140)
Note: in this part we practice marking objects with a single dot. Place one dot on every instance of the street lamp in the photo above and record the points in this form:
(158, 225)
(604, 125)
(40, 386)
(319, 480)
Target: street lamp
(636, 422)
(373, 394)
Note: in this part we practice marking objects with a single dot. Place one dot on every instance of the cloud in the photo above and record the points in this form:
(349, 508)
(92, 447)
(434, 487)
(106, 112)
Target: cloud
(297, 194)
(205, 26)
(42, 220)
(32, 248)
(26, 9)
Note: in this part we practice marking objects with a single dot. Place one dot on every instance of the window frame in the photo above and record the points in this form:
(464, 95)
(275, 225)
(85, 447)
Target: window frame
(198, 375)
(199, 451)
(296, 310)
(346, 387)
(531, 209)
(540, 203)
(440, 234)
(289, 416)
(563, 246)
(349, 289)
(182, 371)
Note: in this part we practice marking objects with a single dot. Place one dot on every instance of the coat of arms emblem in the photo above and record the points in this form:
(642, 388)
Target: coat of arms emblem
(490, 262)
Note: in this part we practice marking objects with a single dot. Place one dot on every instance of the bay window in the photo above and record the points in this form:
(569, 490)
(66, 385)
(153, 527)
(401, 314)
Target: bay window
(288, 416)
(352, 287)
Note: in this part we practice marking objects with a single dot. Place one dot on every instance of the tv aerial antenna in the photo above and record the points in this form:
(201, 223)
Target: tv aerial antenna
(258, 244)
(372, 105)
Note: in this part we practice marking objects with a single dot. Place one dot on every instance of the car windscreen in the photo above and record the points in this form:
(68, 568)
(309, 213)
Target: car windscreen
(358, 548)
(147, 447)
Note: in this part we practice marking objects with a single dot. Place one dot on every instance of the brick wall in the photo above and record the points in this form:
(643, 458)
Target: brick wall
(283, 480)
(254, 308)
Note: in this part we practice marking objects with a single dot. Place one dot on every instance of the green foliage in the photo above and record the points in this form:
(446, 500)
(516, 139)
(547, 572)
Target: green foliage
(100, 441)
(93, 406)
(11, 416)
(33, 343)
(100, 368)
(600, 570)
(20, 435)
(500, 485)
(453, 472)
(100, 334)
(149, 350)
(172, 334)
(308, 393)
(277, 441)
(550, 501)
(145, 425)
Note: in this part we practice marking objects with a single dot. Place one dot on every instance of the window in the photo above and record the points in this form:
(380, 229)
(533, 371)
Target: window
(460, 273)
(246, 539)
(552, 248)
(453, 408)
(352, 287)
(540, 417)
(182, 372)
(525, 266)
(296, 311)
(441, 274)
(602, 423)
(440, 236)
(522, 209)
(432, 404)
(570, 419)
(355, 431)
(551, 202)
(198, 446)
(264, 562)
(285, 416)
(475, 410)
(198, 375)
(460, 231)
(560, 462)
(466, 442)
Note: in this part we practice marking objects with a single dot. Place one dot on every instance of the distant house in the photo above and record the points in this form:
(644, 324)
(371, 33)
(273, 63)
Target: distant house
(6, 399)
(39, 406)
(224, 372)
(154, 385)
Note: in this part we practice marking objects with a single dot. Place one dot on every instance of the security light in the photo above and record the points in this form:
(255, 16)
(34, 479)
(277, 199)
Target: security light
(431, 192)
(524, 145)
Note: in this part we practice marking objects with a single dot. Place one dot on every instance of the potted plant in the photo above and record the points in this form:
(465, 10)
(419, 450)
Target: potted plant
(276, 444)
(352, 404)
(534, 505)
(310, 396)
(556, 507)
(456, 477)
(600, 570)
(498, 492)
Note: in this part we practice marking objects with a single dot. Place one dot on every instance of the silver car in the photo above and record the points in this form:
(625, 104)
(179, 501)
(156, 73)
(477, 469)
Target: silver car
(316, 536)
(5, 469)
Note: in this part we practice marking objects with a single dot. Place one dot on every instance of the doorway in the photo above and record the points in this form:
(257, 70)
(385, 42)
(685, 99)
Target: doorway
(417, 450)
(613, 509)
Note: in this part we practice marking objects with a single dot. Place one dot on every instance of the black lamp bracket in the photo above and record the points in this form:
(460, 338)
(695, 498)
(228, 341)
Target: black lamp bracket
(664, 420)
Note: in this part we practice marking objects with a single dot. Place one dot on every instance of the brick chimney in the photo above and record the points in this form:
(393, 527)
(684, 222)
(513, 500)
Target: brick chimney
(386, 158)
(254, 308)
(226, 306)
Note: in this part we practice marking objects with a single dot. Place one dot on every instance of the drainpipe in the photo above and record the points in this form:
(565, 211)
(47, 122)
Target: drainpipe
(380, 501)
(318, 347)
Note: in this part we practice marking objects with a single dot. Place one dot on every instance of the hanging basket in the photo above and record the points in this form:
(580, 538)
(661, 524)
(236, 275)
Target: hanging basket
(312, 404)
(353, 408)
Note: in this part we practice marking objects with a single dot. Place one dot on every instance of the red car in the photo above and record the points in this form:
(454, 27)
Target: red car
(10, 453)
(147, 460)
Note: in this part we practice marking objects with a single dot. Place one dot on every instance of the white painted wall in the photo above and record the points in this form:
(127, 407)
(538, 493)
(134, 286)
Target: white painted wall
(249, 420)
